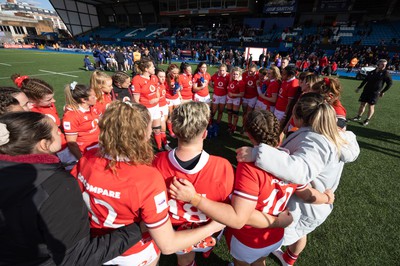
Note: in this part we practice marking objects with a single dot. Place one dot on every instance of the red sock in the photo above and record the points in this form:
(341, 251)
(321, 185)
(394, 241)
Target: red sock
(163, 137)
(289, 257)
(157, 137)
(169, 126)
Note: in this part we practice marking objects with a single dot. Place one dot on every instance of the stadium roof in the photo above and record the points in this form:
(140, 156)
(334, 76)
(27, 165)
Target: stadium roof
(108, 2)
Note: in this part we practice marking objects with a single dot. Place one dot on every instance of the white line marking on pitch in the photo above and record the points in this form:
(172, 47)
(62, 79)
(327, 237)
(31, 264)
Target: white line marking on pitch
(57, 73)
(45, 74)
(5, 64)
(31, 62)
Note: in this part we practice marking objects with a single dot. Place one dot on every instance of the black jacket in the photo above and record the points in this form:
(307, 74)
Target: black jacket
(44, 220)
(375, 80)
(121, 94)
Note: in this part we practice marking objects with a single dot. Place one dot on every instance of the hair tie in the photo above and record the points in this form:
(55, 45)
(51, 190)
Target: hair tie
(4, 134)
(128, 103)
(72, 85)
(327, 81)
(18, 81)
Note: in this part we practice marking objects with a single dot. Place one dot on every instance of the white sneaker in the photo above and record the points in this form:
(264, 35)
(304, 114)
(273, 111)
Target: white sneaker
(279, 254)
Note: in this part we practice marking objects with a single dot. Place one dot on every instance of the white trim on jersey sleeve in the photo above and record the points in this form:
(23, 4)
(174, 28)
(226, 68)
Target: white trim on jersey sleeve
(245, 195)
(159, 223)
(300, 187)
(72, 133)
(199, 166)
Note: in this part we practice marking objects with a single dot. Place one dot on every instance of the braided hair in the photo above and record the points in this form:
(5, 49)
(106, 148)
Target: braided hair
(263, 127)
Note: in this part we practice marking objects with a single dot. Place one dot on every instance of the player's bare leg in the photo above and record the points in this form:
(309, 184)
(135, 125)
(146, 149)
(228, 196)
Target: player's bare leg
(239, 263)
(186, 259)
(214, 108)
(371, 111)
(244, 114)
(221, 108)
(259, 262)
(293, 251)
(361, 109)
(229, 111)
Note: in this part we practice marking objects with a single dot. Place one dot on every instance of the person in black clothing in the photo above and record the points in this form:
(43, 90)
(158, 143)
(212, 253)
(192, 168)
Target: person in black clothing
(121, 87)
(43, 218)
(373, 90)
(146, 56)
(261, 60)
(168, 55)
(120, 58)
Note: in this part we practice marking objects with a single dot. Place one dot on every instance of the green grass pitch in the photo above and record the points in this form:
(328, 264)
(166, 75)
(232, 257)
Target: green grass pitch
(364, 226)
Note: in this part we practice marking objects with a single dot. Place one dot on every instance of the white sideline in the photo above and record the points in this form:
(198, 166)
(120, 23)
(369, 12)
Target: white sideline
(57, 73)
(46, 74)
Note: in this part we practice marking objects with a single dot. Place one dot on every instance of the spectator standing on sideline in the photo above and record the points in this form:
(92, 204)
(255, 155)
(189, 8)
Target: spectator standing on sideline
(136, 55)
(373, 90)
(168, 55)
(284, 63)
(120, 58)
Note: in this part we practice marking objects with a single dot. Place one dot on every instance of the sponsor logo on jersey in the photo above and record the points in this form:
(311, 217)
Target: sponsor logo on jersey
(67, 125)
(95, 122)
(161, 202)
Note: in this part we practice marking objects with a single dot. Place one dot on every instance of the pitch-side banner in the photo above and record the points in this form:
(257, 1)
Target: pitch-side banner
(280, 6)
(14, 46)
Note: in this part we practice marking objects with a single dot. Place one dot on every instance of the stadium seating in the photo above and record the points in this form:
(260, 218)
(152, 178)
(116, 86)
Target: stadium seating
(379, 33)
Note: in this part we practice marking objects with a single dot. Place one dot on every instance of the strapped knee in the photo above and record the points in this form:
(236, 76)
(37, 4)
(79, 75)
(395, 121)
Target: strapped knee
(229, 111)
(235, 112)
(156, 128)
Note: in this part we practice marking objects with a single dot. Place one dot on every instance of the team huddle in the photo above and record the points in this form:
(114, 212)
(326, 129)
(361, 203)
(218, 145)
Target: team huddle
(183, 199)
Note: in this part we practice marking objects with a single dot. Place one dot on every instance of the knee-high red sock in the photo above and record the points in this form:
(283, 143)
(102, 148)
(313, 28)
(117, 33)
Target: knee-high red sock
(289, 257)
(157, 138)
(169, 126)
(163, 137)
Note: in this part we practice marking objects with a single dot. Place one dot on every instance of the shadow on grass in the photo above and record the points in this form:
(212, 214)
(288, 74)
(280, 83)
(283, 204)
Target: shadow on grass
(371, 133)
(391, 139)
(390, 152)
(225, 144)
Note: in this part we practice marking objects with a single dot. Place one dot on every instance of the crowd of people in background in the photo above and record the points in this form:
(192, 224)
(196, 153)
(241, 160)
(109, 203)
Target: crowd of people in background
(306, 57)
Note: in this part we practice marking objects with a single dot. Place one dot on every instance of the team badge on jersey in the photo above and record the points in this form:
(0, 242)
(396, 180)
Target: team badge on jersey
(161, 202)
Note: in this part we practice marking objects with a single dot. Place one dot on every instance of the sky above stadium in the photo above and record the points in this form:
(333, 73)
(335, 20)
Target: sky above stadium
(37, 3)
(40, 3)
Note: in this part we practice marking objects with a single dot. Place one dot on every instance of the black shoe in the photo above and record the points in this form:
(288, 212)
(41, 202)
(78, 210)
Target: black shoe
(366, 122)
(356, 118)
